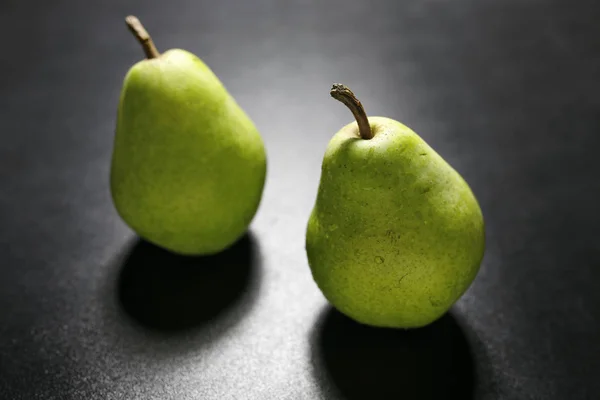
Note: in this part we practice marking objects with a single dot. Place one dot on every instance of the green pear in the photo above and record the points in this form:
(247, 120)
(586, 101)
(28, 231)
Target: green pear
(396, 235)
(188, 165)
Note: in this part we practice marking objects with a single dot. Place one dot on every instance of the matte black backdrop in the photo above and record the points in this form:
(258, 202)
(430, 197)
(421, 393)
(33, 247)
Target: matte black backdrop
(506, 91)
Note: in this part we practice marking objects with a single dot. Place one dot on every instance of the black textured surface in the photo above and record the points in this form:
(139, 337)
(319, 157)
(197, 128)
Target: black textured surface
(506, 91)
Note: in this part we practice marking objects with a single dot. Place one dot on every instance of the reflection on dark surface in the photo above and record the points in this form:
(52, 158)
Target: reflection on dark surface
(169, 292)
(361, 362)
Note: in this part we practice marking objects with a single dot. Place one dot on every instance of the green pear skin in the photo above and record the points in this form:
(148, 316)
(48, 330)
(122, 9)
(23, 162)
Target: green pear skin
(188, 165)
(396, 235)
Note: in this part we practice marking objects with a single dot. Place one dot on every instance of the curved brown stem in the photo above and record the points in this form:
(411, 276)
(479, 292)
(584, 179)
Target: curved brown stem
(345, 95)
(136, 27)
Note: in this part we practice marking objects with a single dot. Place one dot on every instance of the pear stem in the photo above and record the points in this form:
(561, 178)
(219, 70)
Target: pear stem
(138, 30)
(344, 94)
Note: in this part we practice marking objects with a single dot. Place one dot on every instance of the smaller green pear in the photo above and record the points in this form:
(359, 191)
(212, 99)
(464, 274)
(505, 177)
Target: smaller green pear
(396, 235)
(188, 165)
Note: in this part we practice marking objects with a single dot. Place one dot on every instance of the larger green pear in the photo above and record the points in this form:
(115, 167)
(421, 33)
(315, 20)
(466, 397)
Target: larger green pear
(188, 165)
(396, 235)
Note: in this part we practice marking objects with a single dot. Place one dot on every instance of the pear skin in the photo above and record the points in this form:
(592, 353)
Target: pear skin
(396, 235)
(188, 165)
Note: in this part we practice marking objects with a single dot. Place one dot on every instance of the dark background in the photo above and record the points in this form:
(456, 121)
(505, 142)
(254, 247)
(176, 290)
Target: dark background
(506, 91)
